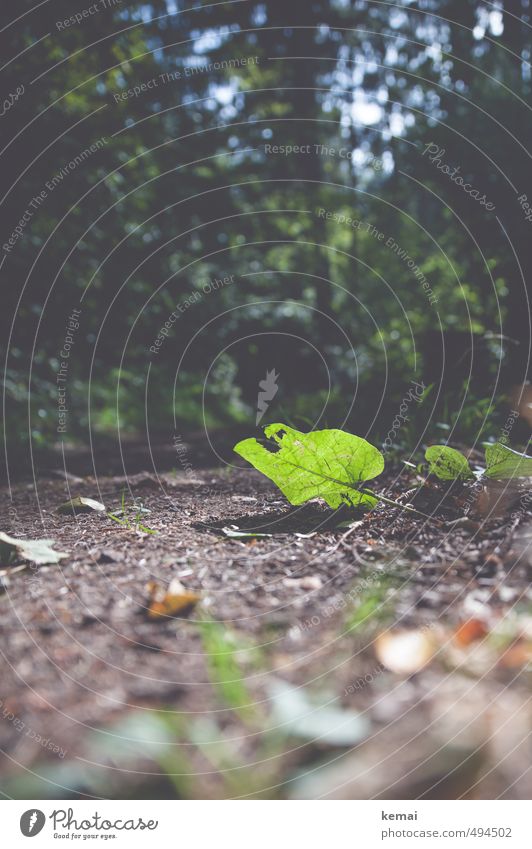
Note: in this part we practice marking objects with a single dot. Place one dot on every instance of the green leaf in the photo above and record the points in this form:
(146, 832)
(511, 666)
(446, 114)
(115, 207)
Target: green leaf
(503, 462)
(81, 505)
(327, 464)
(447, 463)
(37, 550)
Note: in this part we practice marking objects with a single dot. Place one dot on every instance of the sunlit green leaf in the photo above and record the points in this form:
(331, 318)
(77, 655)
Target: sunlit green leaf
(447, 463)
(327, 464)
(80, 504)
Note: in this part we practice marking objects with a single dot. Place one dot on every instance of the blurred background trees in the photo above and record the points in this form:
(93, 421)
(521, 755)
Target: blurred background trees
(186, 188)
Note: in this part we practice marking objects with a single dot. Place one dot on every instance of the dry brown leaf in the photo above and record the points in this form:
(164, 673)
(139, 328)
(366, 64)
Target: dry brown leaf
(177, 600)
(405, 651)
(470, 631)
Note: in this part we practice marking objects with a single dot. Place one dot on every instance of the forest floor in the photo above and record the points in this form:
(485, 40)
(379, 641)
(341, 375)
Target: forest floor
(386, 659)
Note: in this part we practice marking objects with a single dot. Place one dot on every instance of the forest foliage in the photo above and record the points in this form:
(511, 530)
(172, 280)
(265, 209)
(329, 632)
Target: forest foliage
(354, 170)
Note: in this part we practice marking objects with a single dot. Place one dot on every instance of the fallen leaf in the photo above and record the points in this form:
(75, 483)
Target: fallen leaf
(300, 715)
(327, 464)
(171, 602)
(37, 550)
(404, 651)
(503, 462)
(516, 655)
(447, 463)
(309, 582)
(233, 532)
(81, 505)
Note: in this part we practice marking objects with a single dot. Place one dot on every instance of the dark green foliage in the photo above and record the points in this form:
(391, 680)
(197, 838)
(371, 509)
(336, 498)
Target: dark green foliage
(358, 272)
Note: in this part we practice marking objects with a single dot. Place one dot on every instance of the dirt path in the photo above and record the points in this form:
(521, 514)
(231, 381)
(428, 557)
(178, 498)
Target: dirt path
(84, 667)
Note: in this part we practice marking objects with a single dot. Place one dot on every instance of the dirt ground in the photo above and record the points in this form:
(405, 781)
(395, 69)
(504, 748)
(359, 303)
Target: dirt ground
(98, 699)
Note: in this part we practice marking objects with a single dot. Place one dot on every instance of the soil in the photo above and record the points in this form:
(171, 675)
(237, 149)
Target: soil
(82, 661)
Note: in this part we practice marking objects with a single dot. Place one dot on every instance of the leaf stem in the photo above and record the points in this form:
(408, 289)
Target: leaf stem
(400, 506)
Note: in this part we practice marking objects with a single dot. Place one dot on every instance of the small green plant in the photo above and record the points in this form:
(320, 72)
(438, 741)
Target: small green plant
(130, 517)
(373, 607)
(502, 463)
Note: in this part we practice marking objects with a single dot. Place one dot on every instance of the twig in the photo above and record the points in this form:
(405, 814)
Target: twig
(401, 506)
(353, 527)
